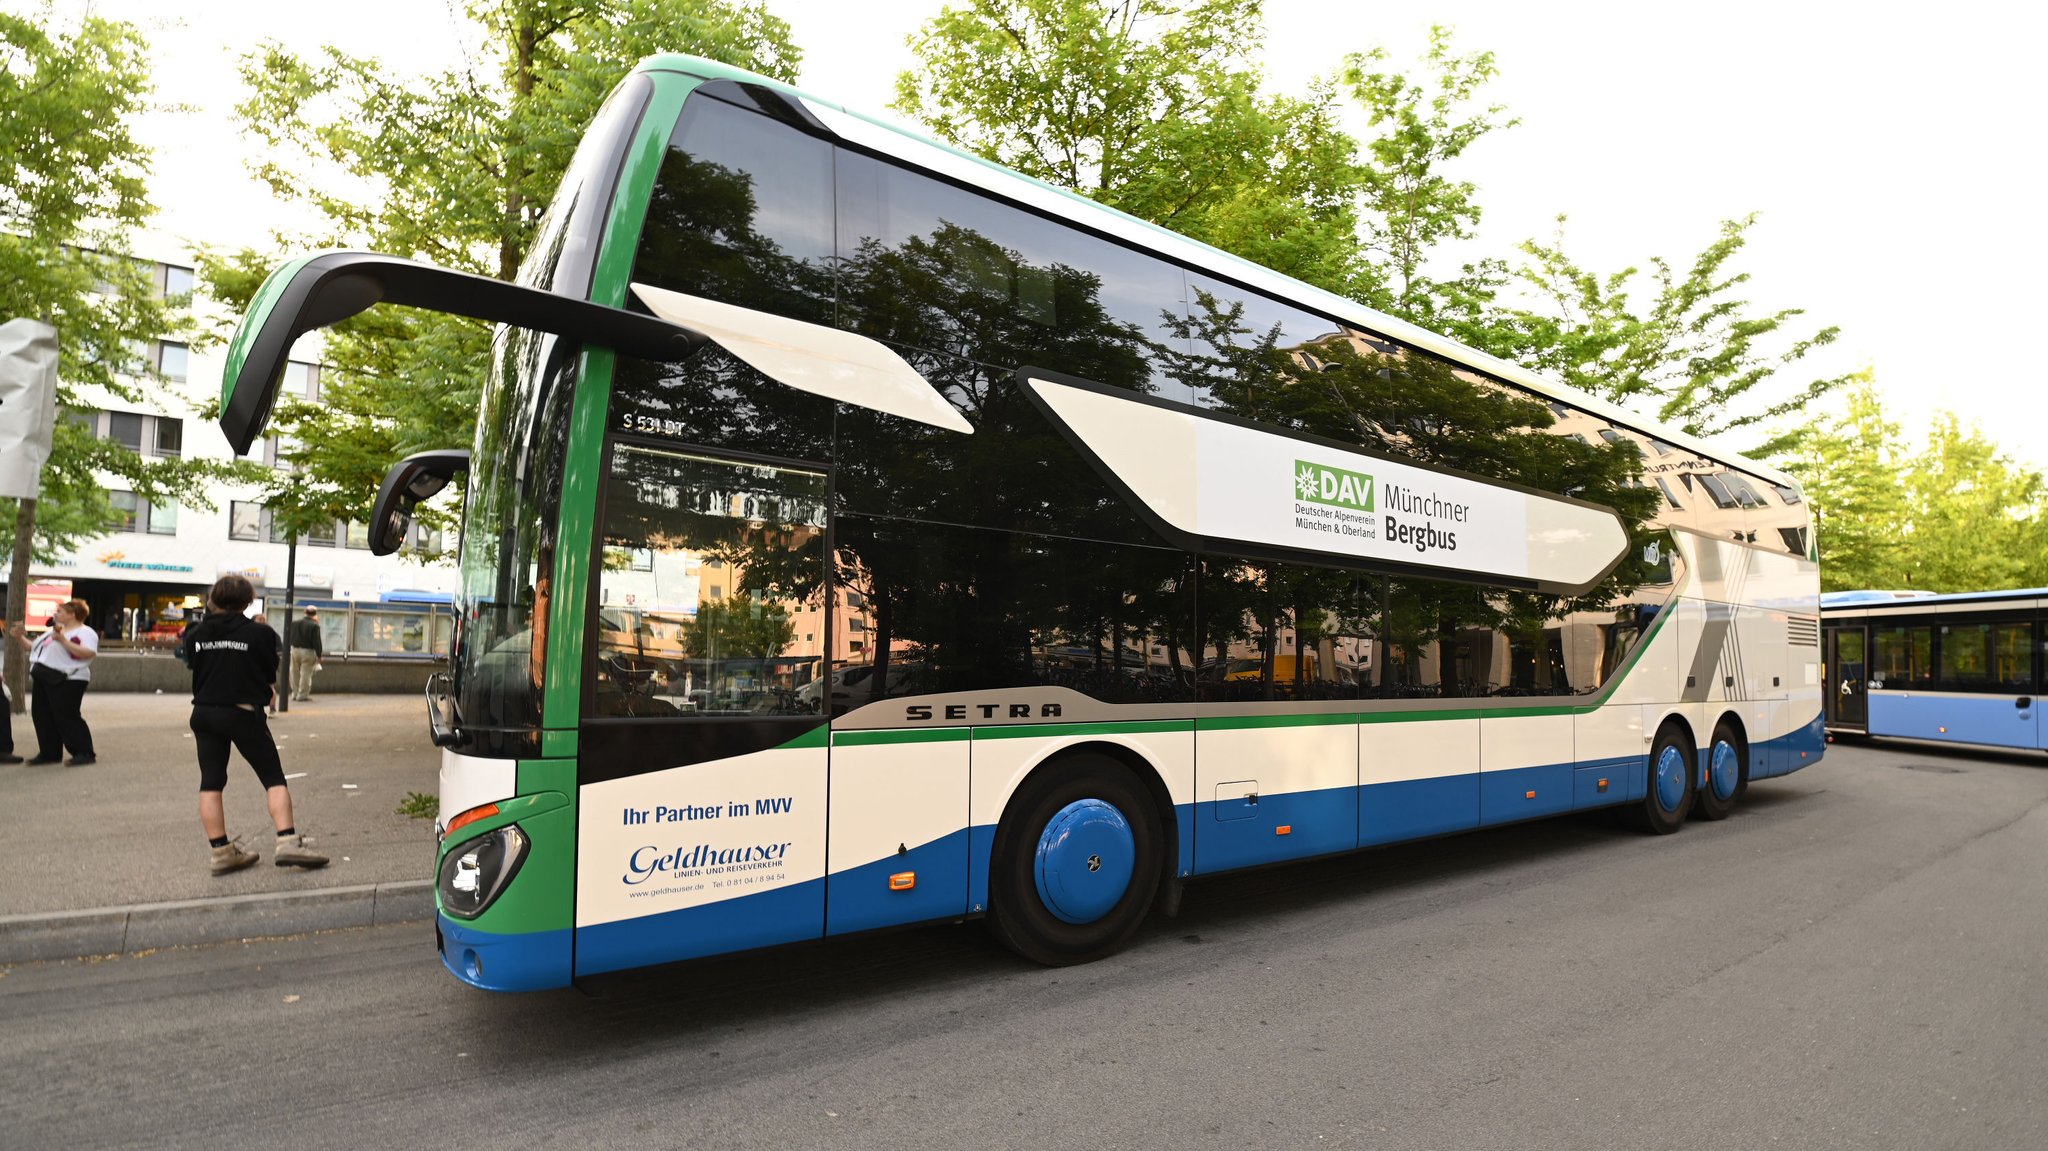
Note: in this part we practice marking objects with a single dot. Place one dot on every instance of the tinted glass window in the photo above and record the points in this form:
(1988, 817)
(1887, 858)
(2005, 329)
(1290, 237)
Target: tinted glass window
(1240, 346)
(1965, 656)
(1016, 472)
(741, 213)
(677, 638)
(2012, 656)
(125, 428)
(1904, 657)
(967, 609)
(1272, 631)
(936, 267)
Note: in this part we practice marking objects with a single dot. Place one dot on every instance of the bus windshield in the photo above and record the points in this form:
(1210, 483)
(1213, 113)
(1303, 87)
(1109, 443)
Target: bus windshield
(515, 483)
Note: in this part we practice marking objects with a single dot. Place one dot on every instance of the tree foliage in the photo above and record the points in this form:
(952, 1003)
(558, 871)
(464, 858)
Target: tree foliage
(1954, 515)
(457, 169)
(73, 192)
(1152, 107)
(1693, 354)
(1411, 203)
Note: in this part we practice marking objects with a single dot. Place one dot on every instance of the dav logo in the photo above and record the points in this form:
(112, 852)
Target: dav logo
(1318, 484)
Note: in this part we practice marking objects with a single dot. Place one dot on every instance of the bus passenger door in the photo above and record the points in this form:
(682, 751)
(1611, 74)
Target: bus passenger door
(1848, 678)
(702, 762)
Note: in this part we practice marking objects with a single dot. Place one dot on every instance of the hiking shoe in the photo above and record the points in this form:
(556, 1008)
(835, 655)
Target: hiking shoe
(81, 760)
(232, 857)
(293, 852)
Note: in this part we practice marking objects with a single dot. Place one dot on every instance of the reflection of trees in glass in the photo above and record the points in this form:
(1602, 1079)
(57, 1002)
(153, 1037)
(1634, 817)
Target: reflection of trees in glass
(738, 629)
(965, 312)
(1393, 401)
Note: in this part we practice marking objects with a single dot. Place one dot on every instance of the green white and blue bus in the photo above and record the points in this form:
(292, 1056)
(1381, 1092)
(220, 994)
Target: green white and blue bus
(858, 534)
(1963, 668)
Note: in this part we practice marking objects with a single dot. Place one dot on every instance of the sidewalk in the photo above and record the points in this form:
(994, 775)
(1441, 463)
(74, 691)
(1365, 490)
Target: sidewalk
(121, 838)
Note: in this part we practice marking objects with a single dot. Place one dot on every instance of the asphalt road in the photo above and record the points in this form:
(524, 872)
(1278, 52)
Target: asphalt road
(1858, 958)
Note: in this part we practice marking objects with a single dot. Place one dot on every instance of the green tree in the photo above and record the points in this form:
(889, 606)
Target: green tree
(1955, 515)
(1694, 354)
(457, 169)
(1979, 520)
(72, 194)
(1152, 107)
(1410, 203)
(1849, 470)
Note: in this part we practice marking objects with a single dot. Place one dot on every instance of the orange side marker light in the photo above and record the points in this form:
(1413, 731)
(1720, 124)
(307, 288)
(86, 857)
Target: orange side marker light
(1601, 786)
(1528, 795)
(471, 816)
(1284, 829)
(903, 881)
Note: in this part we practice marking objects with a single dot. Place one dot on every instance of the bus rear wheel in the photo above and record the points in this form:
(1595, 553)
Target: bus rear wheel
(1724, 777)
(1670, 793)
(1076, 862)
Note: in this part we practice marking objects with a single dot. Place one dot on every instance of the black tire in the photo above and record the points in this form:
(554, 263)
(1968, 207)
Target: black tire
(1656, 814)
(1018, 914)
(1708, 804)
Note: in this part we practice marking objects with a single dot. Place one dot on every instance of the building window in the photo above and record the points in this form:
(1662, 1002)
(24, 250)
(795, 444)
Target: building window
(855, 623)
(321, 535)
(274, 529)
(163, 518)
(355, 535)
(170, 436)
(174, 361)
(177, 280)
(125, 428)
(245, 520)
(128, 511)
(302, 379)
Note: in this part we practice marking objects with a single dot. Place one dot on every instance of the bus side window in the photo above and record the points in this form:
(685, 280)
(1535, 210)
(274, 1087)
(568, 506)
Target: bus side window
(707, 564)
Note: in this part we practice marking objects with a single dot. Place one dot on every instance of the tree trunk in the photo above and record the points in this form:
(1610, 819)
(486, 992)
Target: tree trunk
(17, 599)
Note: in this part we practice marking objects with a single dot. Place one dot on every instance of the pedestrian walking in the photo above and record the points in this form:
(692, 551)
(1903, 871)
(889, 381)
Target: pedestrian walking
(60, 669)
(305, 640)
(234, 676)
(13, 649)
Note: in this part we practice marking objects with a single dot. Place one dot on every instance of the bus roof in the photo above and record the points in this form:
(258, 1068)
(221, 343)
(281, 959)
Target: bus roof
(1873, 599)
(892, 139)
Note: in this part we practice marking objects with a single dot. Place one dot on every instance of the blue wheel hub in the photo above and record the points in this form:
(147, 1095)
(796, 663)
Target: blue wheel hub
(1670, 778)
(1724, 770)
(1086, 857)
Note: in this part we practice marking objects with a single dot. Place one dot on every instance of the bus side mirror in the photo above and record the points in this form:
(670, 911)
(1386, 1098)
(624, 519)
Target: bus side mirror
(321, 290)
(410, 482)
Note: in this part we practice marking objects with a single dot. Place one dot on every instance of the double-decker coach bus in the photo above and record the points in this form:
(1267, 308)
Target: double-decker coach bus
(1962, 668)
(807, 443)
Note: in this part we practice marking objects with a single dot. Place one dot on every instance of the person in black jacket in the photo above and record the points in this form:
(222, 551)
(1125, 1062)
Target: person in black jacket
(306, 652)
(234, 677)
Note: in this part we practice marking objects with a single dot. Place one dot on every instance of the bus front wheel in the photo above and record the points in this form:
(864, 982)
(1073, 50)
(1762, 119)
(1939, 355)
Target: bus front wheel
(1076, 862)
(1670, 793)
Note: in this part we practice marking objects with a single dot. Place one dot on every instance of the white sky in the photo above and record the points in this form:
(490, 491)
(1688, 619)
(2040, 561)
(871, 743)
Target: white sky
(1892, 157)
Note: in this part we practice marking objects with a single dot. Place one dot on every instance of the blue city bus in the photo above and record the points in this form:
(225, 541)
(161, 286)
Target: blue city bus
(854, 532)
(1962, 668)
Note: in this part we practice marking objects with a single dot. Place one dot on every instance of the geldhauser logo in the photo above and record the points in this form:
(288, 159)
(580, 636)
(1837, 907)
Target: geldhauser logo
(1316, 483)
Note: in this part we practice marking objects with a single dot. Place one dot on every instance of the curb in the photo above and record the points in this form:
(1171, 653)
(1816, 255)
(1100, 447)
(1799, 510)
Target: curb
(143, 926)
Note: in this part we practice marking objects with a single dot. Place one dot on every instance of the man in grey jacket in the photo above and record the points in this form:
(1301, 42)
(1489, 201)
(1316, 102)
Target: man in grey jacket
(305, 641)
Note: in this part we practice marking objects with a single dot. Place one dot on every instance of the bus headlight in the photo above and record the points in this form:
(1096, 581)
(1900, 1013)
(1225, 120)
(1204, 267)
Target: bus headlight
(477, 870)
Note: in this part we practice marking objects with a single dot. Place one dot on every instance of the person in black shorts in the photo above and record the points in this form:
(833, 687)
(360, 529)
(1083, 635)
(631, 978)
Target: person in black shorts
(234, 677)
